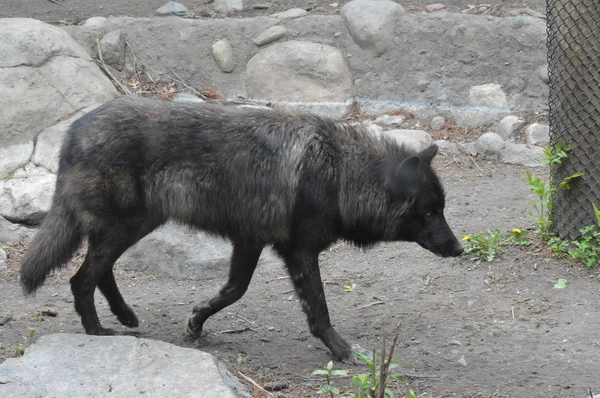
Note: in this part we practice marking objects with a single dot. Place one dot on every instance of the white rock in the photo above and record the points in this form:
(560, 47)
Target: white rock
(187, 97)
(290, 14)
(223, 55)
(538, 134)
(489, 95)
(27, 195)
(95, 22)
(437, 123)
(414, 139)
(270, 35)
(3, 258)
(61, 365)
(390, 120)
(489, 143)
(450, 148)
(522, 154)
(228, 6)
(508, 126)
(371, 23)
(543, 74)
(173, 8)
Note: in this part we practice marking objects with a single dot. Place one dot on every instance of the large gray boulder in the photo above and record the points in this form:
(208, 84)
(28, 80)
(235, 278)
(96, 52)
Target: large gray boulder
(49, 76)
(26, 196)
(299, 71)
(66, 365)
(179, 252)
(371, 23)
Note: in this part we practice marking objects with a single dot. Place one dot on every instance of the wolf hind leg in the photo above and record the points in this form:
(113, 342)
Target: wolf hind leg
(110, 290)
(243, 263)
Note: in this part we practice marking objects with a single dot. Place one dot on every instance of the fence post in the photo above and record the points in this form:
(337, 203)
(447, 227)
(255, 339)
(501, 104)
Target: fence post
(574, 108)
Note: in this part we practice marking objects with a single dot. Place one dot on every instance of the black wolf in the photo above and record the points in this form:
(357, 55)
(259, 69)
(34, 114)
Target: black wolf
(257, 177)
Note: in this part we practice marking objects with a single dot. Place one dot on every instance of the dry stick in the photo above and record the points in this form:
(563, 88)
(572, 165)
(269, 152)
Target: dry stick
(179, 80)
(102, 65)
(235, 331)
(385, 369)
(475, 163)
(242, 318)
(55, 2)
(436, 355)
(255, 384)
(456, 161)
(135, 65)
(370, 304)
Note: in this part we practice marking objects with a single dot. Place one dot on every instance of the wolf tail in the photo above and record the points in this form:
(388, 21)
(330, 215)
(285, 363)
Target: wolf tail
(52, 247)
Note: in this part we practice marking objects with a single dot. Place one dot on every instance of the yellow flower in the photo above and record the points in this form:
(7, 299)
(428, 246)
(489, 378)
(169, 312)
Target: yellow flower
(466, 238)
(517, 230)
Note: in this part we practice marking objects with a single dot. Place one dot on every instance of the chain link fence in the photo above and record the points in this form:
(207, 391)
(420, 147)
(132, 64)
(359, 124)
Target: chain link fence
(574, 70)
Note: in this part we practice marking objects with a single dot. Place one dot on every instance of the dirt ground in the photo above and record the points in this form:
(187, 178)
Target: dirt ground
(517, 334)
(74, 11)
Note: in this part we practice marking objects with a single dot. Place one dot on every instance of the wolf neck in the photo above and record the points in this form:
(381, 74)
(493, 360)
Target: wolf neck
(363, 198)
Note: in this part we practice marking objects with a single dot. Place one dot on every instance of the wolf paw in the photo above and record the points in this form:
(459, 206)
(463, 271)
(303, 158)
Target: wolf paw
(128, 318)
(353, 359)
(193, 330)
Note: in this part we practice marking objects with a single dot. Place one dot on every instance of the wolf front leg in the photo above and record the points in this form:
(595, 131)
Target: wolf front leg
(303, 267)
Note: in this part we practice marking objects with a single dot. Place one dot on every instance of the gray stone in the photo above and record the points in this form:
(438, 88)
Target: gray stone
(447, 147)
(437, 123)
(228, 6)
(538, 134)
(291, 13)
(115, 366)
(522, 154)
(388, 120)
(112, 46)
(180, 252)
(468, 148)
(434, 7)
(223, 55)
(26, 196)
(489, 143)
(518, 22)
(270, 35)
(422, 85)
(187, 97)
(3, 258)
(543, 74)
(462, 361)
(49, 76)
(173, 8)
(14, 156)
(508, 126)
(488, 95)
(371, 23)
(10, 232)
(95, 23)
(414, 139)
(299, 71)
(50, 140)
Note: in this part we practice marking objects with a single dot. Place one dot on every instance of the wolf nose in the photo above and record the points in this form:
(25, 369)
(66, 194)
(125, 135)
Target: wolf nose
(458, 250)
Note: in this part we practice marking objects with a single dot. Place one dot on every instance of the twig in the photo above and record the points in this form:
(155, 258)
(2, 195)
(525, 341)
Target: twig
(235, 331)
(591, 395)
(524, 300)
(476, 165)
(135, 66)
(418, 377)
(436, 355)
(255, 384)
(287, 291)
(55, 2)
(456, 161)
(370, 304)
(179, 80)
(242, 318)
(102, 65)
(513, 311)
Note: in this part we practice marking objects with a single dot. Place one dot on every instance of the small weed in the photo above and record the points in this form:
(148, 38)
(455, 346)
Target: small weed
(329, 388)
(241, 359)
(587, 248)
(153, 277)
(350, 288)
(486, 246)
(20, 349)
(559, 247)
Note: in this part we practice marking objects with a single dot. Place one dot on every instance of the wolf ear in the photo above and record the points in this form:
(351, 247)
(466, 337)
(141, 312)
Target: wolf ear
(428, 153)
(405, 179)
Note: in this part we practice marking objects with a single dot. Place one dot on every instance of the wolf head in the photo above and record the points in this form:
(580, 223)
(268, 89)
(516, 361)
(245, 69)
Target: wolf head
(414, 187)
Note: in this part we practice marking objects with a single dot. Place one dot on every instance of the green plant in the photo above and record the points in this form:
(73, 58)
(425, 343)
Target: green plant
(329, 388)
(20, 349)
(560, 284)
(486, 246)
(587, 248)
(350, 288)
(559, 247)
(545, 189)
(241, 359)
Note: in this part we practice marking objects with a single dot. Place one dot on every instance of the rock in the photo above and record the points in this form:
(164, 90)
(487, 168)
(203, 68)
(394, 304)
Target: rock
(390, 120)
(27, 195)
(116, 366)
(455, 342)
(434, 7)
(437, 123)
(371, 23)
(462, 361)
(508, 126)
(187, 97)
(538, 134)
(228, 6)
(50, 140)
(422, 85)
(95, 23)
(174, 8)
(522, 154)
(299, 71)
(517, 22)
(49, 311)
(414, 139)
(112, 46)
(223, 55)
(489, 143)
(543, 74)
(48, 74)
(450, 148)
(291, 13)
(14, 156)
(270, 35)
(180, 252)
(3, 258)
(10, 232)
(489, 95)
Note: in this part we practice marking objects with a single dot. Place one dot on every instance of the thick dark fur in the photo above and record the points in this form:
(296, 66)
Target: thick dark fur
(256, 177)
